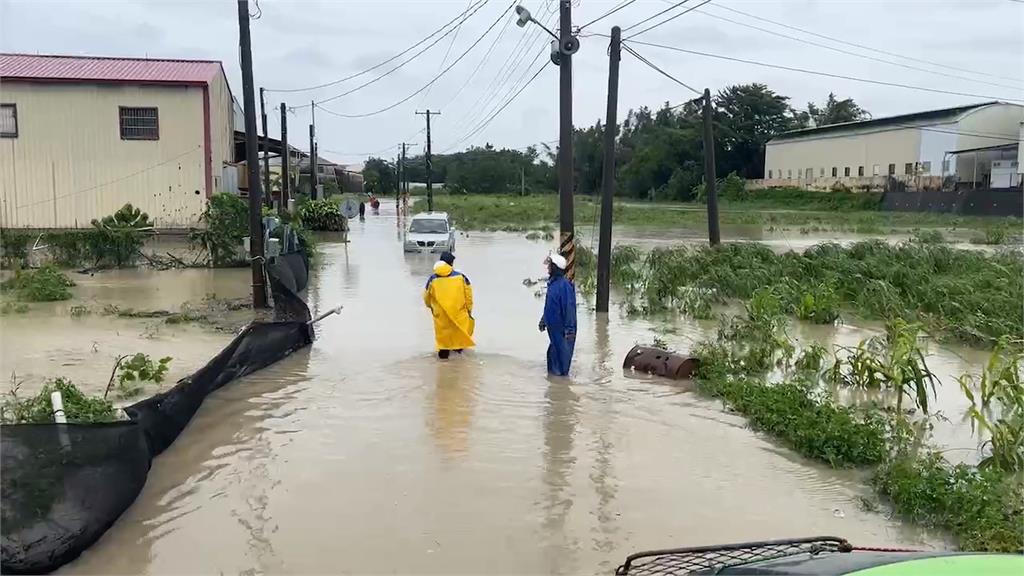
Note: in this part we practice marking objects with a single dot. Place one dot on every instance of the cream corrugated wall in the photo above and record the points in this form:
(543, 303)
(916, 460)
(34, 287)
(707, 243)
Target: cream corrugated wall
(223, 131)
(897, 146)
(69, 165)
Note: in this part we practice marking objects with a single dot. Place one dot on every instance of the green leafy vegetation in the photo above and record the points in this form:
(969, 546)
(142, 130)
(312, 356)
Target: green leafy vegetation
(78, 407)
(133, 371)
(8, 307)
(964, 295)
(995, 234)
(324, 215)
(997, 410)
(46, 284)
(14, 245)
(116, 240)
(774, 209)
(225, 221)
(750, 366)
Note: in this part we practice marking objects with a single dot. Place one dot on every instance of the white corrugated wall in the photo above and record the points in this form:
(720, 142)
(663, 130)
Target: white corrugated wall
(69, 165)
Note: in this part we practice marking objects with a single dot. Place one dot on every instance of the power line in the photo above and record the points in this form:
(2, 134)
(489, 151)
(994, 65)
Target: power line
(487, 56)
(608, 13)
(649, 18)
(428, 84)
(476, 123)
(448, 51)
(667, 20)
(505, 72)
(842, 51)
(378, 65)
(863, 46)
(499, 110)
(389, 72)
(663, 73)
(820, 73)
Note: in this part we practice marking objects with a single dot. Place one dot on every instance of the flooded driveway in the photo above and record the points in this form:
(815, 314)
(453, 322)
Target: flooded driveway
(365, 454)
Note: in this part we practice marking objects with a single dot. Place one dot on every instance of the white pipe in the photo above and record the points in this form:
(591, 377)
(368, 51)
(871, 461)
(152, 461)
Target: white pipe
(58, 408)
(335, 310)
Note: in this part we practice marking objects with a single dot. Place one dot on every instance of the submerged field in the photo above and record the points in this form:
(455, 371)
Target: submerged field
(810, 212)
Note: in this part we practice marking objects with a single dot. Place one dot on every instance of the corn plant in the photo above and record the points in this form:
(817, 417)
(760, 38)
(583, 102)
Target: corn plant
(998, 408)
(893, 362)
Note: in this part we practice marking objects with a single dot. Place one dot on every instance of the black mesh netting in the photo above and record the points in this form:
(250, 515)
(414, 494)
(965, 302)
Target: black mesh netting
(64, 485)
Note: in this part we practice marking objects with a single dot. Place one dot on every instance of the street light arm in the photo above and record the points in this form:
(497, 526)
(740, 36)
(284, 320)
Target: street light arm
(544, 28)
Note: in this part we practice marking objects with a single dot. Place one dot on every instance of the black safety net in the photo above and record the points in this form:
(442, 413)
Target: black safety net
(64, 485)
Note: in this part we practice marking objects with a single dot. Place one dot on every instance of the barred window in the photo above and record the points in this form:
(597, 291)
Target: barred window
(139, 123)
(8, 120)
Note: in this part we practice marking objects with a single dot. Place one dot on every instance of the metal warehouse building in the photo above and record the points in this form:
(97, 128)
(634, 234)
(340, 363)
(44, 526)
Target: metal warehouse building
(82, 136)
(919, 145)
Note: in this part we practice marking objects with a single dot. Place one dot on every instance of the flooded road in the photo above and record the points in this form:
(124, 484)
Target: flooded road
(364, 453)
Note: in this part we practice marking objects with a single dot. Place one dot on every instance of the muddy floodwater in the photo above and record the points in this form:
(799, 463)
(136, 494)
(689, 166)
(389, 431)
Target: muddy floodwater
(81, 340)
(364, 453)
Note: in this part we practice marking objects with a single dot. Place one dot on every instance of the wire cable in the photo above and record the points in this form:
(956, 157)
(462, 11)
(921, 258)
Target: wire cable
(663, 73)
(652, 17)
(448, 52)
(487, 56)
(862, 46)
(851, 53)
(479, 119)
(667, 20)
(505, 72)
(621, 5)
(389, 72)
(379, 64)
(428, 84)
(820, 73)
(499, 110)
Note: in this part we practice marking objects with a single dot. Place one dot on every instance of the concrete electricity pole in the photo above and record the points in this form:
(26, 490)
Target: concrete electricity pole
(286, 157)
(604, 246)
(567, 237)
(267, 194)
(314, 178)
(430, 175)
(259, 294)
(714, 236)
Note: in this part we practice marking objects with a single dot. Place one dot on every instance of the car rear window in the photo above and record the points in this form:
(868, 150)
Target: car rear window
(428, 226)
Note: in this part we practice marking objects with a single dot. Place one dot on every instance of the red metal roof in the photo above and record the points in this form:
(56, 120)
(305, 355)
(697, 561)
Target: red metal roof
(103, 69)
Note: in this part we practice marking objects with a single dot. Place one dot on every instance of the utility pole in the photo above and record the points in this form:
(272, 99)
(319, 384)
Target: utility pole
(714, 236)
(567, 240)
(286, 157)
(314, 178)
(267, 193)
(522, 180)
(430, 175)
(259, 294)
(402, 188)
(604, 246)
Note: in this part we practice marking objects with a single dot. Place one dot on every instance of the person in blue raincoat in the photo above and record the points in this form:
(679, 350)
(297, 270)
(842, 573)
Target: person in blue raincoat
(559, 317)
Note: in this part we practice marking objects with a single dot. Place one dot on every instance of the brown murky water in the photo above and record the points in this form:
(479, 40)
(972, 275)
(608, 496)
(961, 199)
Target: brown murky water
(49, 341)
(366, 454)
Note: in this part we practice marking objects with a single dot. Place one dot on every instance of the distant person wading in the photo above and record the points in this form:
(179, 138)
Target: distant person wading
(449, 296)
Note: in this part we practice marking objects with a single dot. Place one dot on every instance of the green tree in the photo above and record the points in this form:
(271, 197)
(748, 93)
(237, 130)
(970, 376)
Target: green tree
(834, 112)
(379, 177)
(747, 116)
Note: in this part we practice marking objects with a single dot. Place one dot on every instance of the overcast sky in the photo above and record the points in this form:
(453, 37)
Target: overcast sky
(300, 43)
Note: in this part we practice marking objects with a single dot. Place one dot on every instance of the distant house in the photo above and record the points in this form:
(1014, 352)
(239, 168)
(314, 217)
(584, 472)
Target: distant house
(927, 146)
(80, 136)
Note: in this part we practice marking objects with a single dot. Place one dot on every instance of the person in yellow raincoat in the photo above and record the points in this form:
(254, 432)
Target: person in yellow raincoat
(449, 296)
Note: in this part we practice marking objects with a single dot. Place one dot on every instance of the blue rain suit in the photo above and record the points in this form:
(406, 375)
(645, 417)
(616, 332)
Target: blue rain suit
(560, 320)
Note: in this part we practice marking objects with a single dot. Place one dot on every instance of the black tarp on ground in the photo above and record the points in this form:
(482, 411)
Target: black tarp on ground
(64, 485)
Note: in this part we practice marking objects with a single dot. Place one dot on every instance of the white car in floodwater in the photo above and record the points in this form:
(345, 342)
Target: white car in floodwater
(430, 232)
